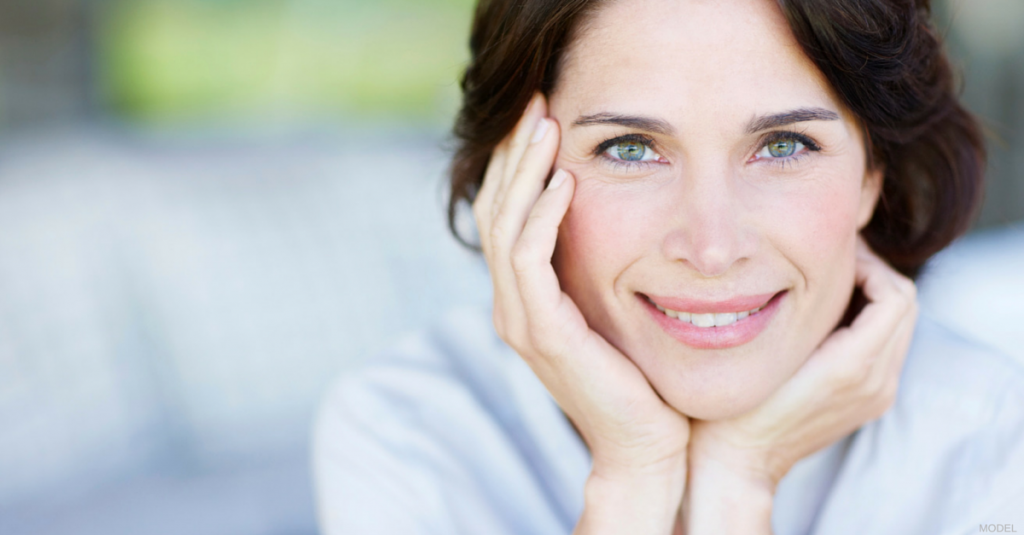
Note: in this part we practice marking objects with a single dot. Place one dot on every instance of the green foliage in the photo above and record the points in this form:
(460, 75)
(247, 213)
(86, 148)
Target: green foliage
(169, 60)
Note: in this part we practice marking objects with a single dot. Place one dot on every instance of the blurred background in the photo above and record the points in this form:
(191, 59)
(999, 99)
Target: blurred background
(211, 208)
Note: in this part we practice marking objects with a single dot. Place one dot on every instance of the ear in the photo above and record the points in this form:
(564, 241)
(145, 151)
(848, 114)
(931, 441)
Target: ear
(870, 191)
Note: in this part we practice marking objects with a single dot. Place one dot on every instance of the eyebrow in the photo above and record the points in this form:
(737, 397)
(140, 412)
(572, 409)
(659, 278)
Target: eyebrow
(649, 124)
(765, 122)
(756, 124)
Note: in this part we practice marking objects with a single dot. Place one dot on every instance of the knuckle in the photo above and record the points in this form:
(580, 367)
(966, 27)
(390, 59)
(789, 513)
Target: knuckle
(544, 342)
(479, 212)
(890, 392)
(521, 257)
(519, 137)
(537, 339)
(905, 285)
(511, 333)
(866, 396)
(519, 334)
(881, 399)
(851, 373)
(520, 344)
(872, 387)
(497, 233)
(526, 162)
(495, 211)
(915, 305)
(536, 215)
(909, 288)
(482, 229)
(499, 322)
(910, 305)
(883, 405)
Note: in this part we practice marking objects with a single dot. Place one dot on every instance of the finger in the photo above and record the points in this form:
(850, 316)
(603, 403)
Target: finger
(869, 347)
(483, 204)
(874, 277)
(523, 190)
(525, 187)
(902, 283)
(900, 348)
(531, 258)
(891, 295)
(519, 141)
(895, 352)
(875, 324)
(850, 351)
(492, 176)
(488, 199)
(889, 363)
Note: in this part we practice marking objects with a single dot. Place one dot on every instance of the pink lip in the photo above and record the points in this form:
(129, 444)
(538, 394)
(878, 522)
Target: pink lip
(736, 304)
(737, 334)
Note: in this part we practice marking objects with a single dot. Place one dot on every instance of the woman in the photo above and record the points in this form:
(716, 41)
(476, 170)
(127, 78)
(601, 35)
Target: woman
(676, 200)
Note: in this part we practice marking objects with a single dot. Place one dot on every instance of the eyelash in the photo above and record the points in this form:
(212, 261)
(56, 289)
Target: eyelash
(784, 135)
(769, 138)
(646, 141)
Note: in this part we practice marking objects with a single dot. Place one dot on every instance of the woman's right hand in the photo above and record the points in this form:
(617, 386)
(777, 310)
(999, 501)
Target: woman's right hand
(637, 442)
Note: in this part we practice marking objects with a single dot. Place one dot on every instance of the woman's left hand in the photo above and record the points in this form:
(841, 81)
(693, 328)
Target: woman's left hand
(851, 379)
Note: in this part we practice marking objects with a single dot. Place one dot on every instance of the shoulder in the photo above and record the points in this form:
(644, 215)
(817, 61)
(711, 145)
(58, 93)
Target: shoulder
(964, 390)
(450, 379)
(431, 435)
(451, 363)
(949, 453)
(943, 360)
(953, 382)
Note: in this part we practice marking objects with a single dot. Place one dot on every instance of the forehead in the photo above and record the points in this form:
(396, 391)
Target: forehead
(731, 58)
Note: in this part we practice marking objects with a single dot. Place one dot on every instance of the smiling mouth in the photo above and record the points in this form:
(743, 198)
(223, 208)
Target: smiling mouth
(708, 320)
(714, 324)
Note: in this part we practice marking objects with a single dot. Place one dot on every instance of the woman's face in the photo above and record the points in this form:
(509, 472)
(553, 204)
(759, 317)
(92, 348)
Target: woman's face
(717, 173)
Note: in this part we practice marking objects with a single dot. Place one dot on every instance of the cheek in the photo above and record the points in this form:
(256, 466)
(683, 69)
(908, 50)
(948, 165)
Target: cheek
(600, 236)
(816, 227)
(816, 231)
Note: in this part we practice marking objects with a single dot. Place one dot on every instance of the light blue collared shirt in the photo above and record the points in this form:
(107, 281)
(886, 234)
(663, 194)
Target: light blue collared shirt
(450, 432)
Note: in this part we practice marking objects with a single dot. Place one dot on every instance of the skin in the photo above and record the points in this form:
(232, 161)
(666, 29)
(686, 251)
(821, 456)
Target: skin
(707, 223)
(687, 439)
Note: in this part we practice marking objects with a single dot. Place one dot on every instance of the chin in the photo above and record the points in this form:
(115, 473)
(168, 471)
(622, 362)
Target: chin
(718, 408)
(722, 383)
(718, 397)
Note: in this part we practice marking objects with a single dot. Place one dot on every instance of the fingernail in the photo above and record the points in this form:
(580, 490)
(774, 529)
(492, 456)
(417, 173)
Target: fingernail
(557, 179)
(540, 130)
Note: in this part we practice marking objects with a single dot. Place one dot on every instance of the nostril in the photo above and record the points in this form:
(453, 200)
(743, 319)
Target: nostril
(709, 248)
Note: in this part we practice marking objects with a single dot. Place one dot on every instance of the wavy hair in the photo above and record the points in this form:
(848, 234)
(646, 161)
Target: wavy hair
(883, 58)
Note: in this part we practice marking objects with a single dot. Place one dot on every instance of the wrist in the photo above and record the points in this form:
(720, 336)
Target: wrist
(757, 466)
(639, 504)
(722, 499)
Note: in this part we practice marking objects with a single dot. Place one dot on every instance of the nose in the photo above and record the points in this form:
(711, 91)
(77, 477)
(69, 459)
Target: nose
(709, 230)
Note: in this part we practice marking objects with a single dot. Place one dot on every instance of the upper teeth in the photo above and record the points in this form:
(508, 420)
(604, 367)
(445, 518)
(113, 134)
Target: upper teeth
(709, 320)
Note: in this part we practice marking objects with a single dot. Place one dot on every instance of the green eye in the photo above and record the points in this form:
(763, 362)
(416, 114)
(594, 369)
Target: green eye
(782, 148)
(785, 148)
(631, 151)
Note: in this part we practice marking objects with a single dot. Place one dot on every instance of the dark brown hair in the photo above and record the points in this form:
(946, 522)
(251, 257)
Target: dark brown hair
(882, 57)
